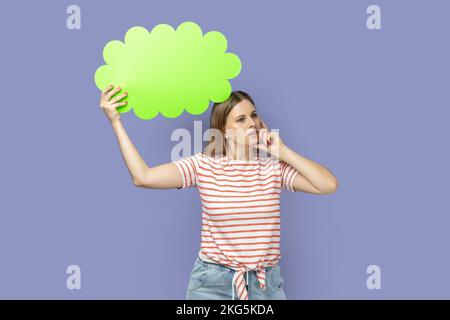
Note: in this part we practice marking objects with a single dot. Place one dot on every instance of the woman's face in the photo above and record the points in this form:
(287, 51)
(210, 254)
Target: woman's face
(242, 125)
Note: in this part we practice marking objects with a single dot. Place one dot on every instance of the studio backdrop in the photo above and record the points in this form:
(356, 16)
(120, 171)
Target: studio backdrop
(361, 87)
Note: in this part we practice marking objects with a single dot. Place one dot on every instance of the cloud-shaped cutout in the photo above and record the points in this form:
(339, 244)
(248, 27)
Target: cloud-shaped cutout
(168, 70)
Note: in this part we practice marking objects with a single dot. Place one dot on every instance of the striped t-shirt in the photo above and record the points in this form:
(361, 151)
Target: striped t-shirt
(240, 211)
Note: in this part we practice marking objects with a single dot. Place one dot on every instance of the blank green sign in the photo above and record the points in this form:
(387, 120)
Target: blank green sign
(168, 71)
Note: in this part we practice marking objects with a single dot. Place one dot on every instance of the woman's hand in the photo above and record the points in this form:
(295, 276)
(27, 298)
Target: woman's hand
(109, 105)
(269, 141)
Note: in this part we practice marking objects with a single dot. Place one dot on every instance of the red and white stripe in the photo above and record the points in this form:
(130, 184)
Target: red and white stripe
(240, 211)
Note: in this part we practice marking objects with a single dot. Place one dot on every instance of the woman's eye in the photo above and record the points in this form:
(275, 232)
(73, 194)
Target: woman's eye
(241, 119)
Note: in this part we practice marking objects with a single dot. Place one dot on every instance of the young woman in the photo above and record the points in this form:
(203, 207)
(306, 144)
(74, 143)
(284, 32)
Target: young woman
(239, 189)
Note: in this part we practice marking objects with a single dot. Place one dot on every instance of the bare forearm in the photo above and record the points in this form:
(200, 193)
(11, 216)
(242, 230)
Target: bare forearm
(133, 160)
(319, 176)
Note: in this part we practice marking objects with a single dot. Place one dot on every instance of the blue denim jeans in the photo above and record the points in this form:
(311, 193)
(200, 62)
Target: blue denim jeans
(211, 281)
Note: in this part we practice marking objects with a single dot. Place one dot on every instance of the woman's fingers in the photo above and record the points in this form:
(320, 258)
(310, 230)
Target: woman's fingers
(123, 95)
(109, 104)
(270, 138)
(107, 89)
(119, 104)
(263, 124)
(108, 101)
(111, 93)
(266, 137)
(262, 135)
(103, 95)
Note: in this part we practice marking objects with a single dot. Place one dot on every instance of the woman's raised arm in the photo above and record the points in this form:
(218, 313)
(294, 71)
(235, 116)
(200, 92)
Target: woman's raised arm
(163, 176)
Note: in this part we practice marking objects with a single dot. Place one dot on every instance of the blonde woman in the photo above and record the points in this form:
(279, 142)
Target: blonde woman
(239, 187)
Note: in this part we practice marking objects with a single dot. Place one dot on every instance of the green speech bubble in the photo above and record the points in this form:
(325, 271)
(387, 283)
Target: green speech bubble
(169, 71)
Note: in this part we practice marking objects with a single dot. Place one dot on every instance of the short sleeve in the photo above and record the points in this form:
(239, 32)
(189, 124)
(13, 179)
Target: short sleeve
(188, 168)
(288, 174)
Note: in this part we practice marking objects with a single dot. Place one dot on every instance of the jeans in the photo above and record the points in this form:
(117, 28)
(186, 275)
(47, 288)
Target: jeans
(212, 281)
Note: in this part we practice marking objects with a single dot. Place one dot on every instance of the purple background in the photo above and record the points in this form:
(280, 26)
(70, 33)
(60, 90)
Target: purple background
(372, 106)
